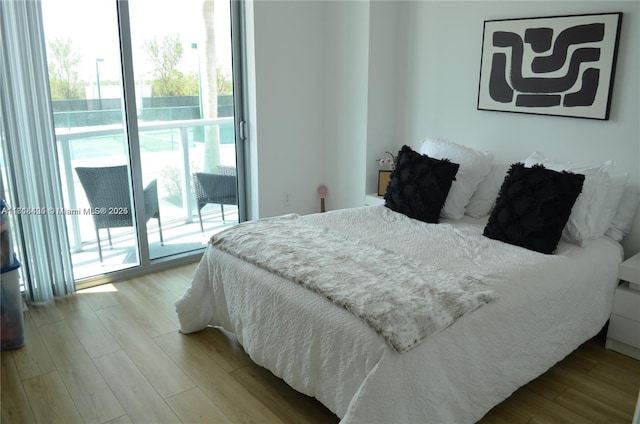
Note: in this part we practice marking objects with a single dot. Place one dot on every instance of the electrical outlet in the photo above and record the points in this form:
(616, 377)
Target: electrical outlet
(285, 199)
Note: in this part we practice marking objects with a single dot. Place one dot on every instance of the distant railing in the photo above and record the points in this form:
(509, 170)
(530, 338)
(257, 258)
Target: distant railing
(90, 112)
(64, 136)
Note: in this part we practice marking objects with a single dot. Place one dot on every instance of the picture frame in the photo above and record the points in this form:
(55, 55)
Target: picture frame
(556, 65)
(384, 177)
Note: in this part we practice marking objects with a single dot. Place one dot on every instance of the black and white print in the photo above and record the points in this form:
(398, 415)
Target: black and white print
(561, 65)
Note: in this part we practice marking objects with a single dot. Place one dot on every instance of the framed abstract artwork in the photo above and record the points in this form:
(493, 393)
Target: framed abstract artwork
(557, 65)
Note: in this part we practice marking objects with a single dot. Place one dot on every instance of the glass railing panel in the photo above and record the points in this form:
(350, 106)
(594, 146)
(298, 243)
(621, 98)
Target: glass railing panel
(98, 208)
(184, 120)
(171, 154)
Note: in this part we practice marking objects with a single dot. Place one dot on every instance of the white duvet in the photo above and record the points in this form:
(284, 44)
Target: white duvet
(547, 306)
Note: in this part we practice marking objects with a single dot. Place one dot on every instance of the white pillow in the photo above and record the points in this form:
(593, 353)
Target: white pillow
(486, 194)
(622, 221)
(611, 203)
(581, 225)
(474, 166)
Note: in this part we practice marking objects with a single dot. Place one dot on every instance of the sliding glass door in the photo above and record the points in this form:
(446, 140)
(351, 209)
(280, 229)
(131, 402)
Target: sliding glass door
(182, 65)
(143, 105)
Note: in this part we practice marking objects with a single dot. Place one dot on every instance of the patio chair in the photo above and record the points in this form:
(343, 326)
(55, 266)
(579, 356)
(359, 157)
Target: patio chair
(108, 188)
(215, 188)
(226, 170)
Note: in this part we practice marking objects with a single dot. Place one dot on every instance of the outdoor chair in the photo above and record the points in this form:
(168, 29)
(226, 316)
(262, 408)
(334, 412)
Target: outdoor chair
(214, 188)
(107, 188)
(226, 170)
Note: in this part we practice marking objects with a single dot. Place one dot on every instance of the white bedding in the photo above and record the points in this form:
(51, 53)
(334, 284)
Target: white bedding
(422, 300)
(547, 306)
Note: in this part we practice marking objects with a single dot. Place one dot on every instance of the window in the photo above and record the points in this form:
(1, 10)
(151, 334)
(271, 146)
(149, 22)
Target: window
(143, 101)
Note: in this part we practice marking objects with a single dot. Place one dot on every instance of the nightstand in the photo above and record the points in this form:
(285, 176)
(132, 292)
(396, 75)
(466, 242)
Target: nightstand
(623, 334)
(373, 199)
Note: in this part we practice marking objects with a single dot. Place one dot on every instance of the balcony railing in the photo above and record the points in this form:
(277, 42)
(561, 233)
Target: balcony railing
(87, 135)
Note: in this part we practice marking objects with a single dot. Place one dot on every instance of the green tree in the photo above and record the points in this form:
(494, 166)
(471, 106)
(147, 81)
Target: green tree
(63, 75)
(165, 55)
(190, 84)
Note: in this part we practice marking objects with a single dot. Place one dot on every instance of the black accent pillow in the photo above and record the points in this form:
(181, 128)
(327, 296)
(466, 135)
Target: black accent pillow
(419, 185)
(533, 206)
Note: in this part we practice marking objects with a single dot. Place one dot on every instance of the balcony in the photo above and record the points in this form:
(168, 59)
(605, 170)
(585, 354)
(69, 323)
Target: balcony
(170, 152)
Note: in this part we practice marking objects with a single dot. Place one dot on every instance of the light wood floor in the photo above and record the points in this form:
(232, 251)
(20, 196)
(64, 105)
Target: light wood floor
(113, 354)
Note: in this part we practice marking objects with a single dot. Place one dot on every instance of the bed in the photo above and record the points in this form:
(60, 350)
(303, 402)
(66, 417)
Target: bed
(536, 309)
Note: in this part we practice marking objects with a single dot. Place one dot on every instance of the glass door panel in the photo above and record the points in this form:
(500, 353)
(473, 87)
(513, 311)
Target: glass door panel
(179, 145)
(182, 66)
(86, 90)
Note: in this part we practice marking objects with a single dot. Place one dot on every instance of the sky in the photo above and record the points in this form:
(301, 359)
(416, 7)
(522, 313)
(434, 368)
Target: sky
(92, 26)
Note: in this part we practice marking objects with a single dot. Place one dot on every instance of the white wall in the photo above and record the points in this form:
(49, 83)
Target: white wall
(387, 47)
(286, 90)
(308, 89)
(442, 73)
(338, 90)
(346, 66)
(338, 83)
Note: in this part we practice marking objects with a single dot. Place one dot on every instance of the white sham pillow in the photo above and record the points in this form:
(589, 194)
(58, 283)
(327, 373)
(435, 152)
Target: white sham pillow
(485, 196)
(582, 222)
(612, 200)
(474, 167)
(623, 219)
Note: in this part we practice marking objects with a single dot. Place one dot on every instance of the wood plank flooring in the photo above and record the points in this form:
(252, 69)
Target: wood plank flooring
(113, 354)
